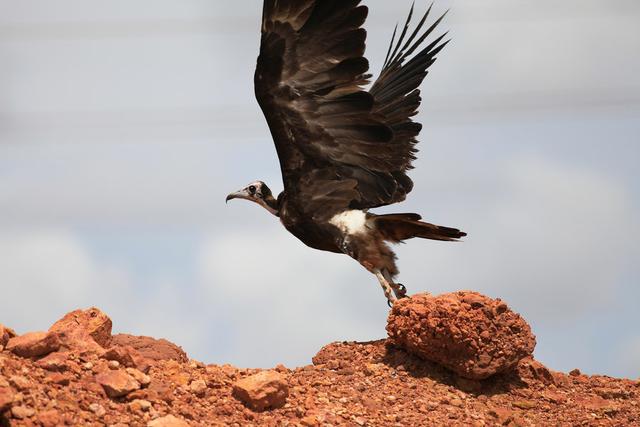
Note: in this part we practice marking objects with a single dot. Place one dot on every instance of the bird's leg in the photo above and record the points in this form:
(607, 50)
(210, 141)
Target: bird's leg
(386, 287)
(398, 289)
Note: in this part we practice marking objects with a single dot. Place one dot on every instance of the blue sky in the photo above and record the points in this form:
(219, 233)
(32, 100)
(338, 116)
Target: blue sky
(123, 127)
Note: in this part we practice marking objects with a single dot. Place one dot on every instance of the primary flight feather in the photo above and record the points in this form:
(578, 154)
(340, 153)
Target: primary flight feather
(342, 149)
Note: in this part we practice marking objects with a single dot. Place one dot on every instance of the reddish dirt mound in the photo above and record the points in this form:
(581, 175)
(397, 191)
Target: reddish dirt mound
(354, 384)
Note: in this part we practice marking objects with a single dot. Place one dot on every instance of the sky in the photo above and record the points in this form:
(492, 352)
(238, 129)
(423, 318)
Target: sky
(124, 125)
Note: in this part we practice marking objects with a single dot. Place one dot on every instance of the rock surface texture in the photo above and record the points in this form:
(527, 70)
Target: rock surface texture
(471, 334)
(350, 384)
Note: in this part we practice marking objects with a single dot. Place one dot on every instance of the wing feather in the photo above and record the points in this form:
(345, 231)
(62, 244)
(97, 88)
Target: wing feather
(328, 131)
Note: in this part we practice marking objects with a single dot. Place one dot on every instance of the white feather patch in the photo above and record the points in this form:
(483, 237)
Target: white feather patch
(350, 222)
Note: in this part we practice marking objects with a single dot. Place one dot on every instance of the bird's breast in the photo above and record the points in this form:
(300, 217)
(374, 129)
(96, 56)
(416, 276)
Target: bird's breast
(350, 222)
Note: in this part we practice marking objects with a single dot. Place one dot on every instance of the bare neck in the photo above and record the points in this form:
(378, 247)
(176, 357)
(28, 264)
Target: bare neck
(270, 203)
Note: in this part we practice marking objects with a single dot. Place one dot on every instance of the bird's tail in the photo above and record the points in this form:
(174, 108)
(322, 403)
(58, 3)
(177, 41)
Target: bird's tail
(399, 227)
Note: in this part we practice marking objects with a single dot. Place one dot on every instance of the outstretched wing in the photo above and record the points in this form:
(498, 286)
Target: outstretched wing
(337, 145)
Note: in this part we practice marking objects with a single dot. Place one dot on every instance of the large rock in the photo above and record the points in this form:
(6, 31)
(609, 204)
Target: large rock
(262, 391)
(471, 334)
(34, 344)
(129, 357)
(57, 361)
(151, 348)
(117, 383)
(84, 330)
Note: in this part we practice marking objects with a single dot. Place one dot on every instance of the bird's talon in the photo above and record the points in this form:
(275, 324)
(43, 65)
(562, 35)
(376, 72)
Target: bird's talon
(401, 291)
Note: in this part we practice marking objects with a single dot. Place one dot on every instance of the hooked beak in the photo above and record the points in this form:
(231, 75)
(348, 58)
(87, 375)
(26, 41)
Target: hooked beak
(237, 195)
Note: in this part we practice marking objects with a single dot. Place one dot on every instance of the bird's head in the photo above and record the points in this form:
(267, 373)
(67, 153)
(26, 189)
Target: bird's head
(259, 193)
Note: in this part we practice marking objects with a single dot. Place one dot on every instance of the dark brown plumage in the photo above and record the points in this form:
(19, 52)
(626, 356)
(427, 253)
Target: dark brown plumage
(342, 149)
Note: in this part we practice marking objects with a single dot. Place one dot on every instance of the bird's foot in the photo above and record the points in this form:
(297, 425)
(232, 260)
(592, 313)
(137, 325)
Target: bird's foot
(387, 288)
(400, 290)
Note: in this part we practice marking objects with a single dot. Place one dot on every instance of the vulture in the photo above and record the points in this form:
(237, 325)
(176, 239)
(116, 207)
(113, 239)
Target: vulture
(344, 147)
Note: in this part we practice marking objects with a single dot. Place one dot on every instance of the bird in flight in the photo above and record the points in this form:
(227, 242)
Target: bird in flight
(343, 149)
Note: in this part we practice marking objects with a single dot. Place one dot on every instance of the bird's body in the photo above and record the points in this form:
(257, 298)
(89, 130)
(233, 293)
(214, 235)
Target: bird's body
(342, 150)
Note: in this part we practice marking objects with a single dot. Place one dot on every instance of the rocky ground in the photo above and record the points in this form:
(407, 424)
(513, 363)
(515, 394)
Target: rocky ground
(77, 373)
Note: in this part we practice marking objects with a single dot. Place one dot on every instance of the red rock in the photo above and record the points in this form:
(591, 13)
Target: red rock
(117, 383)
(139, 376)
(168, 421)
(139, 405)
(22, 412)
(262, 391)
(84, 331)
(124, 355)
(6, 334)
(449, 330)
(49, 418)
(33, 344)
(92, 322)
(97, 409)
(6, 398)
(151, 348)
(57, 361)
(530, 368)
(128, 356)
(59, 378)
(162, 390)
(198, 387)
(20, 382)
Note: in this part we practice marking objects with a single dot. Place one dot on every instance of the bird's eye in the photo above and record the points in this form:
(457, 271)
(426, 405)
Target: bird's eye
(252, 189)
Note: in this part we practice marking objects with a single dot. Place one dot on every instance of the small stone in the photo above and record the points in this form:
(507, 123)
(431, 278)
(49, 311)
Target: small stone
(139, 405)
(113, 364)
(575, 372)
(523, 404)
(54, 362)
(262, 391)
(34, 344)
(22, 412)
(97, 409)
(457, 403)
(20, 382)
(59, 378)
(310, 421)
(117, 383)
(168, 421)
(198, 387)
(139, 376)
(128, 356)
